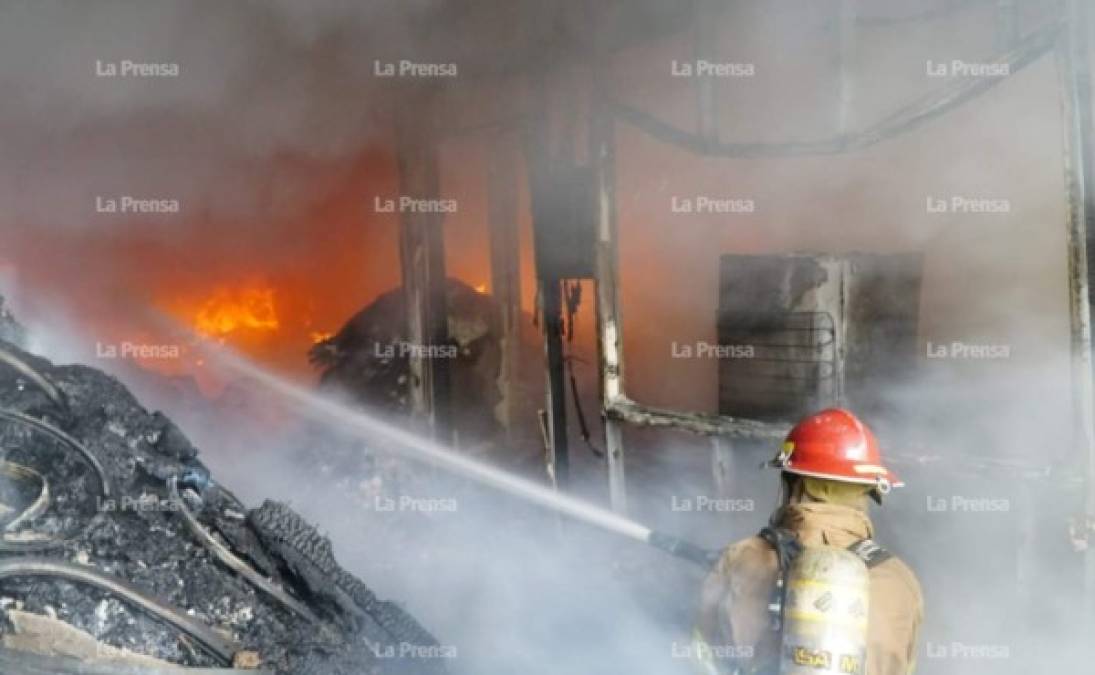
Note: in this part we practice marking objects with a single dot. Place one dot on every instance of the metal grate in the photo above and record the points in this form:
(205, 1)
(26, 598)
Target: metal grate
(785, 362)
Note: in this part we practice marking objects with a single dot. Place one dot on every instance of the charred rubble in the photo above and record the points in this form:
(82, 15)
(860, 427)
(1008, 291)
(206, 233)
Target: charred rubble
(368, 362)
(368, 358)
(115, 534)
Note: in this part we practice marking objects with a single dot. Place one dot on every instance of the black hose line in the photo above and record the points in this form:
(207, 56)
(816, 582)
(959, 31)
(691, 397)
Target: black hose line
(58, 435)
(683, 549)
(10, 544)
(231, 561)
(39, 380)
(28, 663)
(40, 503)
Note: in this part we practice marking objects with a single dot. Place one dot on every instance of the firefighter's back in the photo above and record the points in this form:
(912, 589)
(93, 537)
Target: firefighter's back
(735, 609)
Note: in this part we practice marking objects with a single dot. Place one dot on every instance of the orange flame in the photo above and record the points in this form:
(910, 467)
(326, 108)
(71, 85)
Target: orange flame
(320, 336)
(229, 310)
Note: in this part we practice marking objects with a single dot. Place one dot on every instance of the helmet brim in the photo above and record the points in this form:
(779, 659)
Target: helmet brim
(888, 477)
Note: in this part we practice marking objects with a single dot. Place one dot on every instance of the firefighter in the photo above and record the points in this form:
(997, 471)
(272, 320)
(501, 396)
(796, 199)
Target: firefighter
(756, 614)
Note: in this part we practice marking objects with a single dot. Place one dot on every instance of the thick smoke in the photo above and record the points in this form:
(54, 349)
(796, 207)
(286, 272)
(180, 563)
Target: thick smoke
(250, 94)
(987, 445)
(271, 113)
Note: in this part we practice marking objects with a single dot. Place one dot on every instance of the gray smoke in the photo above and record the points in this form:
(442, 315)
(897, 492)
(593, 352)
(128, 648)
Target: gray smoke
(253, 96)
(276, 101)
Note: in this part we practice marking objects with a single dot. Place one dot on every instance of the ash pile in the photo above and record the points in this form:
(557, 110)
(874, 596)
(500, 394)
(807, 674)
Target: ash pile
(368, 359)
(120, 553)
(367, 362)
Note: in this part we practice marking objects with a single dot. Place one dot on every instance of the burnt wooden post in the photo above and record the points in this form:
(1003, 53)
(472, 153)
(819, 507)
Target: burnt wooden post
(602, 160)
(609, 336)
(552, 299)
(562, 199)
(542, 198)
(1080, 181)
(562, 228)
(422, 254)
(505, 264)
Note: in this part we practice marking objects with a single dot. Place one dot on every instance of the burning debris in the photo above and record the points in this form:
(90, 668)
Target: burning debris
(229, 310)
(369, 360)
(119, 549)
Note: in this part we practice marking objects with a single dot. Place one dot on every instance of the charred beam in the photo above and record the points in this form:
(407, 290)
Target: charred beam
(602, 157)
(609, 340)
(551, 297)
(422, 253)
(1080, 182)
(505, 264)
(626, 410)
(912, 116)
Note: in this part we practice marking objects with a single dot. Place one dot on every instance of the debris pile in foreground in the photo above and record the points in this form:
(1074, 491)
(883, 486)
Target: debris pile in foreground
(134, 548)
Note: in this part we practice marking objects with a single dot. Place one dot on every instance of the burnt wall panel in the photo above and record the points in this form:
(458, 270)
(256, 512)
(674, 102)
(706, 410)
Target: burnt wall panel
(802, 332)
(781, 334)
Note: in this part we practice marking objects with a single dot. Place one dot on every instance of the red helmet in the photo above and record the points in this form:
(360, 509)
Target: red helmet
(834, 444)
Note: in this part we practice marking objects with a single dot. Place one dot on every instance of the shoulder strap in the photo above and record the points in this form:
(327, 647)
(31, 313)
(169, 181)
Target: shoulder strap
(784, 542)
(787, 548)
(870, 552)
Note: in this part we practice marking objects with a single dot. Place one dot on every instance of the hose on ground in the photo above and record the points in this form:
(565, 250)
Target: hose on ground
(217, 645)
(27, 663)
(34, 377)
(231, 561)
(35, 508)
(59, 435)
(9, 543)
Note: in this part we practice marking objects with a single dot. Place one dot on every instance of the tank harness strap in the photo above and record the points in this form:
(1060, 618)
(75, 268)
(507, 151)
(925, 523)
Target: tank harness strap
(787, 548)
(870, 552)
(784, 542)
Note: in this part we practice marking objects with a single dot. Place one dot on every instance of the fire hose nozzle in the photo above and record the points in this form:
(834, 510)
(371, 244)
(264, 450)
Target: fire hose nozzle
(683, 549)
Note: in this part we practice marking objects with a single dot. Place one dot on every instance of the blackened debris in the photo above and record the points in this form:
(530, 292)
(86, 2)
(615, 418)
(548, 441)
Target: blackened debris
(308, 554)
(369, 358)
(138, 535)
